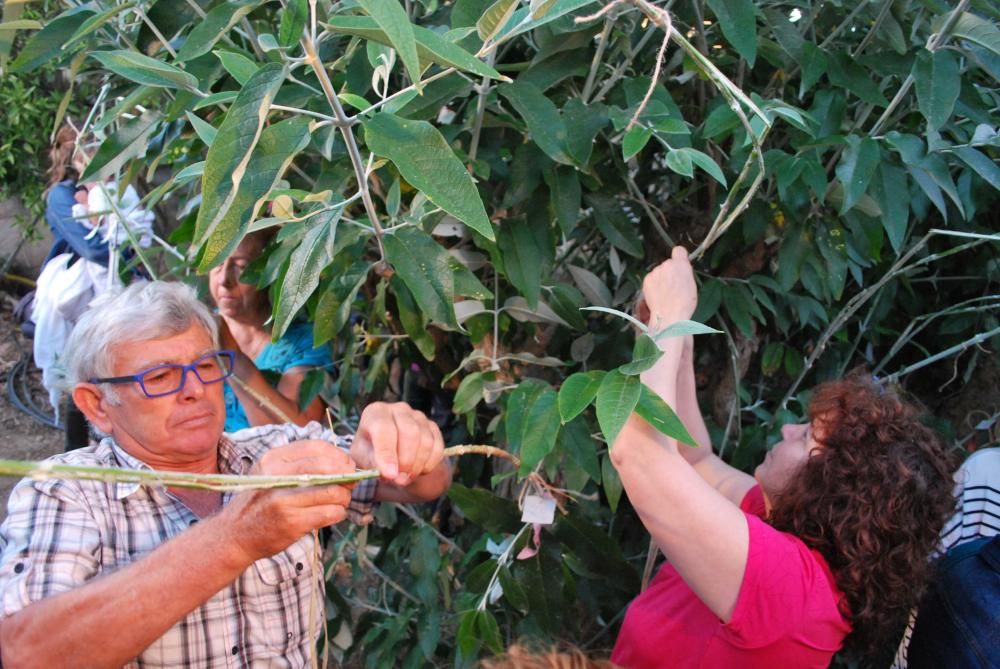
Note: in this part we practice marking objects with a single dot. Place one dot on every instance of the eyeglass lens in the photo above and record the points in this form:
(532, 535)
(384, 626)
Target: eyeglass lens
(167, 379)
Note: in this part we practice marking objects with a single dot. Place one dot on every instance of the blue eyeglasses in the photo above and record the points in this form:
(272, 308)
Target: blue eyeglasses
(169, 379)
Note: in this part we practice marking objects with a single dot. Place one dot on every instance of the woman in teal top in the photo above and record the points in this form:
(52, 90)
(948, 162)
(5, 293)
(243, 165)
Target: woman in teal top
(244, 310)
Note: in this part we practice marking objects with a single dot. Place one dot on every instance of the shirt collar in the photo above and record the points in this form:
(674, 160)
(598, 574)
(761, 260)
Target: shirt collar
(232, 460)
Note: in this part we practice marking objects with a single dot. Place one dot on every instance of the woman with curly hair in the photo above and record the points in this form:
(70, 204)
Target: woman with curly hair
(826, 545)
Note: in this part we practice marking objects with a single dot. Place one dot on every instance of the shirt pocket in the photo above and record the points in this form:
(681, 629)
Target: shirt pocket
(282, 592)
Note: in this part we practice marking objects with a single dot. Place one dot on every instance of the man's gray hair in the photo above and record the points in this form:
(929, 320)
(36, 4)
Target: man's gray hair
(143, 311)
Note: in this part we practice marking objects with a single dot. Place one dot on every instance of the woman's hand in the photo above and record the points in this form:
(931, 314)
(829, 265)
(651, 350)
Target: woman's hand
(669, 291)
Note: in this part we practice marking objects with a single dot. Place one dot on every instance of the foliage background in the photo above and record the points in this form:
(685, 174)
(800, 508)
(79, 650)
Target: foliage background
(865, 239)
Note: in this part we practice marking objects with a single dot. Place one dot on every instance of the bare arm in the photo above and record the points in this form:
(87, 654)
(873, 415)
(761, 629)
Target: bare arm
(703, 534)
(731, 482)
(111, 619)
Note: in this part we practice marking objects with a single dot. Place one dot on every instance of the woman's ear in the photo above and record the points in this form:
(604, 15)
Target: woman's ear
(92, 403)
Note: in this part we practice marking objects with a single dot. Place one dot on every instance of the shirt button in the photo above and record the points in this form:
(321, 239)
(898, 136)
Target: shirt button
(299, 566)
(236, 650)
(289, 636)
(19, 567)
(193, 521)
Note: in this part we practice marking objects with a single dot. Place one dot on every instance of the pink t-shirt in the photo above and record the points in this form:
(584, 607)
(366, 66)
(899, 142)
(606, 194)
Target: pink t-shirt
(786, 614)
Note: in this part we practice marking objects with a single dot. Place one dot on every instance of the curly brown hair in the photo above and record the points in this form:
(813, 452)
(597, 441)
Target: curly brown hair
(872, 502)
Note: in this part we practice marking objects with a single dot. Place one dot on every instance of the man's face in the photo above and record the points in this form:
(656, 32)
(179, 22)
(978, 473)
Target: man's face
(179, 431)
(786, 458)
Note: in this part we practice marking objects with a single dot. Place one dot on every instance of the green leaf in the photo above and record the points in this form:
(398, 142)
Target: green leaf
(770, 359)
(431, 47)
(469, 393)
(312, 384)
(739, 25)
(644, 356)
(541, 115)
(618, 228)
(539, 13)
(889, 190)
(48, 42)
(974, 29)
(814, 64)
(565, 195)
(683, 329)
(856, 168)
(495, 18)
(524, 245)
(616, 399)
(145, 70)
(468, 640)
(293, 22)
(210, 29)
(541, 427)
(652, 409)
(220, 98)
(306, 264)
(705, 162)
(95, 23)
(577, 392)
(205, 130)
(576, 441)
(489, 631)
(583, 123)
(227, 158)
(938, 79)
(21, 24)
(494, 513)
(845, 73)
(983, 166)
(612, 483)
(635, 140)
(414, 323)
(237, 65)
(395, 24)
(680, 162)
(333, 310)
(129, 142)
(426, 160)
(423, 266)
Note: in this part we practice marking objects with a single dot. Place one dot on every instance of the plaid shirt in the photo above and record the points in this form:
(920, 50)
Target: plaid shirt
(59, 534)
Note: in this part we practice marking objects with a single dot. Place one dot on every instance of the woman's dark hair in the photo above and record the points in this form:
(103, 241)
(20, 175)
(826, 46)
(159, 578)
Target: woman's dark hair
(872, 502)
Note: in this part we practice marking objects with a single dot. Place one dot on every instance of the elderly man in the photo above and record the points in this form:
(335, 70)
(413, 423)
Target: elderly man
(105, 575)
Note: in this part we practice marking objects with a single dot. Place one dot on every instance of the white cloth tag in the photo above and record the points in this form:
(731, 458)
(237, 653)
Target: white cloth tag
(540, 510)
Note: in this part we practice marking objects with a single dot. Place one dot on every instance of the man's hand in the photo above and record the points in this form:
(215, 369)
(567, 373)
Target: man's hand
(402, 443)
(264, 522)
(669, 291)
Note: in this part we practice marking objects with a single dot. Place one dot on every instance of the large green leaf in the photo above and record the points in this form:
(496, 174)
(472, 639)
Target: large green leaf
(129, 142)
(981, 164)
(237, 65)
(525, 245)
(538, 14)
(856, 169)
(845, 73)
(392, 19)
(145, 70)
(541, 426)
(311, 257)
(886, 189)
(938, 79)
(612, 482)
(414, 323)
(542, 118)
(566, 195)
(577, 392)
(423, 266)
(96, 22)
(616, 399)
(583, 123)
(482, 507)
(425, 160)
(226, 162)
(431, 47)
(293, 21)
(47, 42)
(652, 409)
(739, 25)
(210, 29)
(644, 356)
(974, 29)
(277, 146)
(334, 307)
(495, 18)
